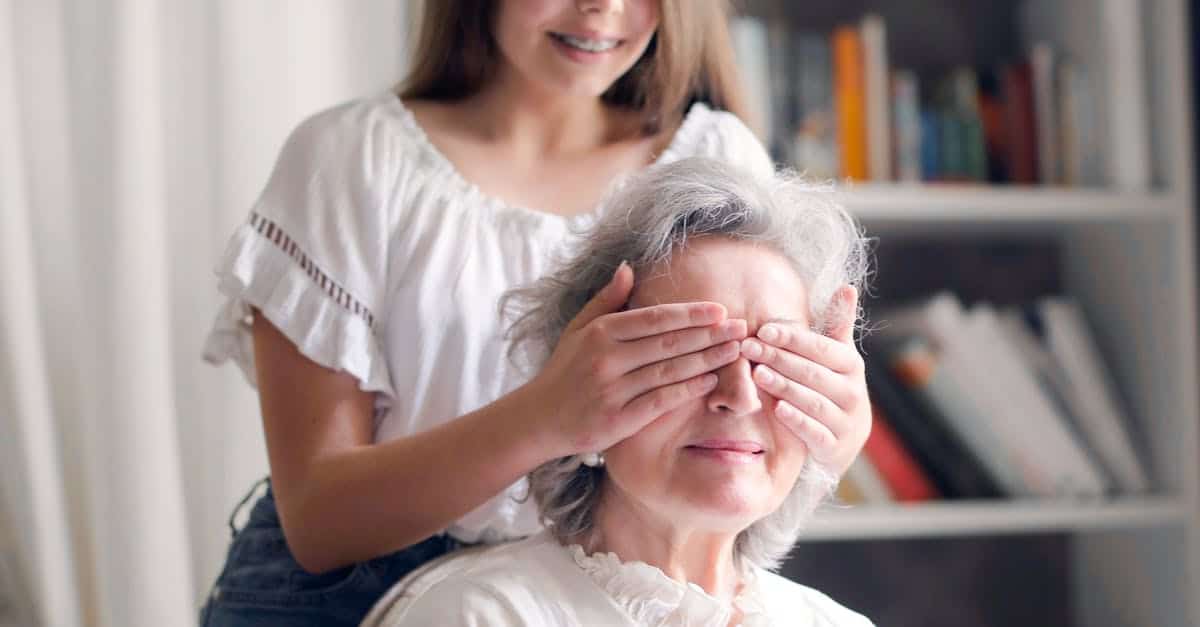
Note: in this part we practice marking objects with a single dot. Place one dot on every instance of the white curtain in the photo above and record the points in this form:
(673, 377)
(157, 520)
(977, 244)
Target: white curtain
(134, 134)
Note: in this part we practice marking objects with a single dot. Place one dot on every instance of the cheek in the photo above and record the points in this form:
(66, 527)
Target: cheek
(643, 16)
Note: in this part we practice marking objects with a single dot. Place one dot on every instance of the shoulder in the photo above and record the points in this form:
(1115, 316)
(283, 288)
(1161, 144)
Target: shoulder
(785, 597)
(372, 140)
(529, 582)
(718, 134)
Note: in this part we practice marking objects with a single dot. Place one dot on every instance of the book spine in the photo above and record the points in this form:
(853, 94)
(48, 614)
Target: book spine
(907, 126)
(954, 471)
(904, 476)
(916, 366)
(849, 96)
(815, 152)
(879, 149)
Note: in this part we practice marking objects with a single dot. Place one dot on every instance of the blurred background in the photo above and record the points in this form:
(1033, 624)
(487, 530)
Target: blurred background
(1028, 168)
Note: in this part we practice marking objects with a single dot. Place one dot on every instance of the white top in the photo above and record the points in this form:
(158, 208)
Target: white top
(538, 582)
(375, 256)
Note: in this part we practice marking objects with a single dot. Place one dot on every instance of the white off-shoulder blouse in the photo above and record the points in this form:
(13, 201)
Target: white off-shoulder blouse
(376, 257)
(537, 582)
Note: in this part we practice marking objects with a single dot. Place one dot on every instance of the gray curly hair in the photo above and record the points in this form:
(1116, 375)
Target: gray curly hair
(648, 220)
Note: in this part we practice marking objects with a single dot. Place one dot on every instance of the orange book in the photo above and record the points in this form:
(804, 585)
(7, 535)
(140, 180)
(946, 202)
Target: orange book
(850, 94)
(899, 469)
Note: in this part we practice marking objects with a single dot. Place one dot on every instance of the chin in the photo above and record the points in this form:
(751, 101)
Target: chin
(729, 509)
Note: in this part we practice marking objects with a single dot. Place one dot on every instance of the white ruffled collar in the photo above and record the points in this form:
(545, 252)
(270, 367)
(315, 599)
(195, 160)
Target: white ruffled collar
(652, 598)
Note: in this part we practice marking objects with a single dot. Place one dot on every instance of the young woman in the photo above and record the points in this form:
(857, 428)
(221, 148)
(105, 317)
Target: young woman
(362, 293)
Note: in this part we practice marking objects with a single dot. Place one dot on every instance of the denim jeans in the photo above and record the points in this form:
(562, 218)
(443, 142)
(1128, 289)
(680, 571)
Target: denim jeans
(262, 584)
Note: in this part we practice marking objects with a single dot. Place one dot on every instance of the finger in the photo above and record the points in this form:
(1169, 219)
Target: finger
(820, 440)
(832, 385)
(655, 319)
(794, 337)
(635, 354)
(610, 298)
(677, 369)
(845, 315)
(642, 410)
(799, 397)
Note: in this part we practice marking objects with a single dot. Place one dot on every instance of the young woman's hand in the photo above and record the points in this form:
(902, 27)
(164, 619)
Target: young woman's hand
(819, 382)
(613, 372)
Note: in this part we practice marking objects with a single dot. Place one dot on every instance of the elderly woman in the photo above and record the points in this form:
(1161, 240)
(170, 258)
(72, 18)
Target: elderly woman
(682, 522)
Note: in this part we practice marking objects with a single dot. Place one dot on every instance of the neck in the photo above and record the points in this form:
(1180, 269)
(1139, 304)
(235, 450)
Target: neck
(537, 123)
(686, 554)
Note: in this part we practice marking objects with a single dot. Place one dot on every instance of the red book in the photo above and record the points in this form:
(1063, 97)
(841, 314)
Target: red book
(1020, 123)
(900, 470)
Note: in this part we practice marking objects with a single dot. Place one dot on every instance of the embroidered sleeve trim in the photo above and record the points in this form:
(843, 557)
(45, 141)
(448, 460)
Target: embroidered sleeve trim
(274, 234)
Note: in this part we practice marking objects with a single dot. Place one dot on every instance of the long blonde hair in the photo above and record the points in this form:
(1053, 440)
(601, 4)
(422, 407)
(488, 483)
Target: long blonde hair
(689, 59)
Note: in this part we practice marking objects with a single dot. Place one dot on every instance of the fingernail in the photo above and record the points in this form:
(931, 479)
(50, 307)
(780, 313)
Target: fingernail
(769, 333)
(619, 266)
(751, 348)
(709, 382)
(764, 375)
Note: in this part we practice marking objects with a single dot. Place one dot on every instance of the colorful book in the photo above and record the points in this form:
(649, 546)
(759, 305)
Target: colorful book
(1019, 119)
(951, 466)
(906, 480)
(849, 89)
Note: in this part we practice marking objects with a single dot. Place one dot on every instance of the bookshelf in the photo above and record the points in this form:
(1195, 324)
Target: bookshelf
(1128, 255)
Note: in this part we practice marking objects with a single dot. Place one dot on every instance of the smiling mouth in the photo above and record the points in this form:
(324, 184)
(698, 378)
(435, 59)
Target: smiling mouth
(584, 44)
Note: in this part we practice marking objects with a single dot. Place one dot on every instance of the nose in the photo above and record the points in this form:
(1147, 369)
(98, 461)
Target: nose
(735, 394)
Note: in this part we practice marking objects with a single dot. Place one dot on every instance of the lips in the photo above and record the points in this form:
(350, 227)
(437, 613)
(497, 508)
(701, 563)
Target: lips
(733, 446)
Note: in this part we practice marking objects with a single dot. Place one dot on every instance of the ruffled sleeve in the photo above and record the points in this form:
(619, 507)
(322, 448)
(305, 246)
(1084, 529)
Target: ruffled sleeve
(733, 142)
(311, 255)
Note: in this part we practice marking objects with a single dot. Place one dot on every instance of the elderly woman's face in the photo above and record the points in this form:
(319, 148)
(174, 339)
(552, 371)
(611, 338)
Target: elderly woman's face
(723, 461)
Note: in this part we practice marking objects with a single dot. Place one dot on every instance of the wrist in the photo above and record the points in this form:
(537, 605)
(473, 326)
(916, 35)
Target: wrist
(529, 417)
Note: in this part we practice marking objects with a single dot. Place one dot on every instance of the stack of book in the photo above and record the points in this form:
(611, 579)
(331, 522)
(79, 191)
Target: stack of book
(832, 107)
(987, 402)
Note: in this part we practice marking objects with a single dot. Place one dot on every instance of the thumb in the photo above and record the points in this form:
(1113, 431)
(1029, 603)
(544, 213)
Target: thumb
(610, 298)
(845, 314)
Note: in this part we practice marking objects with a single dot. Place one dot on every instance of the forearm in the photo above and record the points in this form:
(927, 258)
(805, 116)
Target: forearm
(371, 500)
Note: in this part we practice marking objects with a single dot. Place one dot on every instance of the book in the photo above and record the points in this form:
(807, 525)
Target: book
(848, 492)
(875, 74)
(994, 404)
(1091, 389)
(931, 145)
(1019, 119)
(953, 469)
(905, 478)
(751, 53)
(937, 378)
(995, 133)
(965, 102)
(815, 150)
(849, 91)
(1061, 464)
(870, 483)
(1128, 150)
(1041, 62)
(1079, 145)
(906, 126)
(780, 68)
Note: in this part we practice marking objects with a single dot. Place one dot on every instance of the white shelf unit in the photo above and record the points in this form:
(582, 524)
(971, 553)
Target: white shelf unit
(1130, 258)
